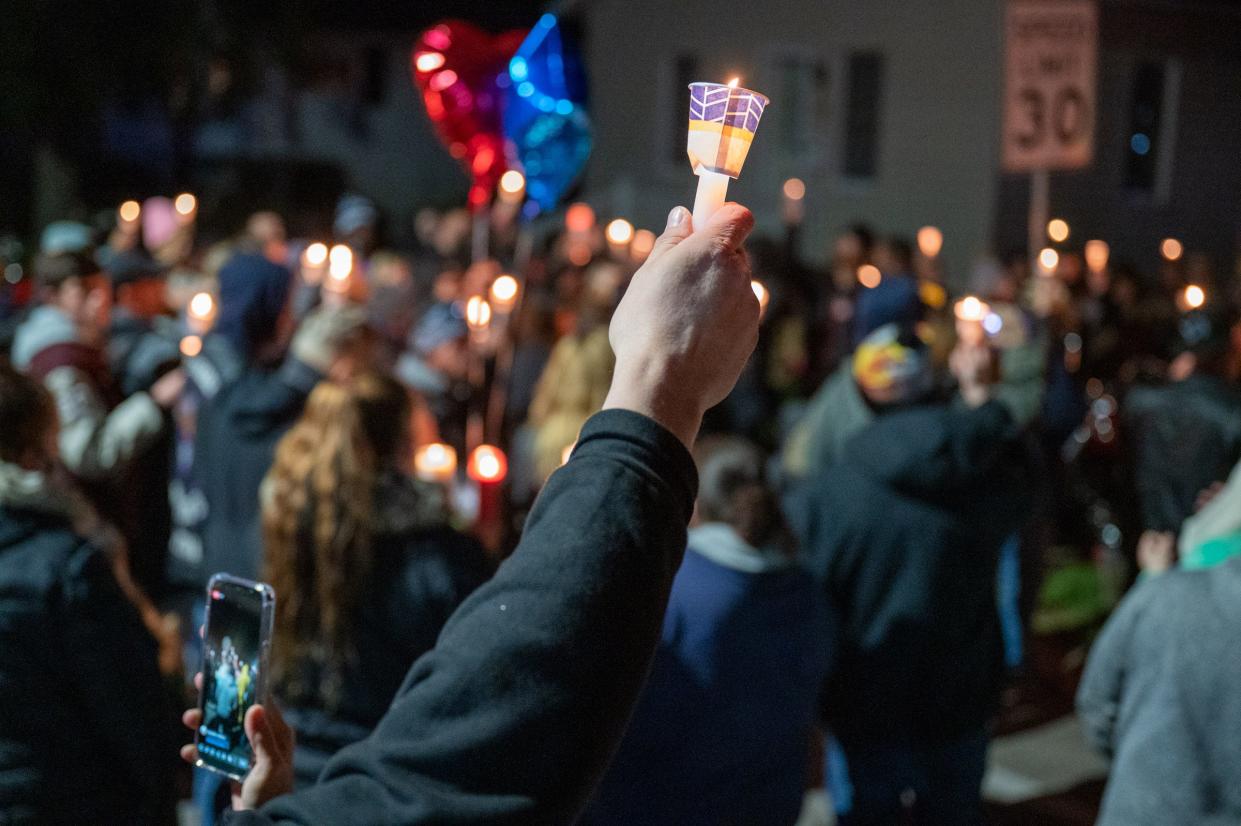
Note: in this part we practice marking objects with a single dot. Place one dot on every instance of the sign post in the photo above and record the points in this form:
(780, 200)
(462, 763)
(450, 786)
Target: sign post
(1050, 60)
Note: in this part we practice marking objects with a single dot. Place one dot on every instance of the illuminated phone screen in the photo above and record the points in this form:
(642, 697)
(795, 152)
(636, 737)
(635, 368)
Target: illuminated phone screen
(232, 675)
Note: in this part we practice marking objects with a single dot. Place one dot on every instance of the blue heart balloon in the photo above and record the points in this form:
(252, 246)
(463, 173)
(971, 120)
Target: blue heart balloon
(545, 117)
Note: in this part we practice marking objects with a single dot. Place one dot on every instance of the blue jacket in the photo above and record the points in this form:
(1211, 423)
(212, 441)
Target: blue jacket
(721, 732)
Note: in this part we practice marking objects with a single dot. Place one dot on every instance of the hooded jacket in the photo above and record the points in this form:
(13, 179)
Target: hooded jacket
(86, 735)
(904, 534)
(1159, 696)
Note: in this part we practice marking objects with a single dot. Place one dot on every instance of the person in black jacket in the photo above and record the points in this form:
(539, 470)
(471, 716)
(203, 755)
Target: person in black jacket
(258, 400)
(904, 532)
(85, 726)
(515, 713)
(369, 566)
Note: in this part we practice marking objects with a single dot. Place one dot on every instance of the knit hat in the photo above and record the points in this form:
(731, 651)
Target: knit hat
(441, 324)
(895, 300)
(891, 366)
(354, 212)
(252, 294)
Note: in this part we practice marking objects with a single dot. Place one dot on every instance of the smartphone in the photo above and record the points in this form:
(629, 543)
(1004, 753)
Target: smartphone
(236, 640)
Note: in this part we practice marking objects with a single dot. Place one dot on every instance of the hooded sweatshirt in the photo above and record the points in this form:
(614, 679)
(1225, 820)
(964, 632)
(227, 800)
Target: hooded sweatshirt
(904, 534)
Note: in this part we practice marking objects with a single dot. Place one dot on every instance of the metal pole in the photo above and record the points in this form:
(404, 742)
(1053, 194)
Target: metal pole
(1040, 194)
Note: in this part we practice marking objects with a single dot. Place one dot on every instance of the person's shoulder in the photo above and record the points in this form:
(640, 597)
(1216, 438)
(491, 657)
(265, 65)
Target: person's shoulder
(47, 555)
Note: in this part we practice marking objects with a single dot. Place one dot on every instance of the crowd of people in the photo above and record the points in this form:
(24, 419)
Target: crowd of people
(884, 486)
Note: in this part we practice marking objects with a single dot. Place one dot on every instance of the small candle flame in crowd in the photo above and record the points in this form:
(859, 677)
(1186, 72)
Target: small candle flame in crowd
(1195, 296)
(512, 182)
(340, 263)
(1171, 249)
(130, 211)
(1058, 230)
(202, 305)
(185, 204)
(315, 254)
(1048, 260)
(436, 462)
(930, 241)
(579, 218)
(732, 84)
(619, 232)
(191, 346)
(794, 189)
(487, 464)
(971, 308)
(477, 313)
(869, 276)
(504, 292)
(428, 61)
(1096, 255)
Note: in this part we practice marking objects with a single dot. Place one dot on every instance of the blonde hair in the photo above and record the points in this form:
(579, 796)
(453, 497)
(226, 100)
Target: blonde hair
(318, 500)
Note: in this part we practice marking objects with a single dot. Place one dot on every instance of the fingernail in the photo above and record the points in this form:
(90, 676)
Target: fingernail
(678, 216)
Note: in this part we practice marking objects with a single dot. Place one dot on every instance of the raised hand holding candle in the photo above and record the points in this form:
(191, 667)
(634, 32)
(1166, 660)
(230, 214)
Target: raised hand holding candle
(722, 121)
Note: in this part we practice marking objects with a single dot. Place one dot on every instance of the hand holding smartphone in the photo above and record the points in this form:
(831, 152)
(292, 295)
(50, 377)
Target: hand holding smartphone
(236, 641)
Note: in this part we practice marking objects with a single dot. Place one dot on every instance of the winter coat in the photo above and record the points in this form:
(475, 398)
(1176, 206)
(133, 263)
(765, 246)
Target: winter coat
(904, 533)
(722, 731)
(1159, 696)
(86, 732)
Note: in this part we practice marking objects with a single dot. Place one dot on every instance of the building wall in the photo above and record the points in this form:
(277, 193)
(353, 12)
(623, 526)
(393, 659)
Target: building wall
(1201, 201)
(938, 110)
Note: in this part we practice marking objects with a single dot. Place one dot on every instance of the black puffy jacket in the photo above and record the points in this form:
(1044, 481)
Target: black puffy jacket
(86, 732)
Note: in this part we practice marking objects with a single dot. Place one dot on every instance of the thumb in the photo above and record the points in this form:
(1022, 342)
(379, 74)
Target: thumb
(678, 229)
(729, 226)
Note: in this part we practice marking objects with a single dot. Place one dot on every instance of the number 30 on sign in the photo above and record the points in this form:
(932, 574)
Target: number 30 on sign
(1051, 48)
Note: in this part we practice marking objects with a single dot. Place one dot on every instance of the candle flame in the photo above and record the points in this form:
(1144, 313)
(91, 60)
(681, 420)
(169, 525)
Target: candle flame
(732, 84)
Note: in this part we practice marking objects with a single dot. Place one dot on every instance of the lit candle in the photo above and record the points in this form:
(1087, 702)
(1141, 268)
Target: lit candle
(1048, 260)
(1193, 297)
(869, 276)
(1171, 249)
(619, 234)
(504, 292)
(314, 260)
(129, 213)
(722, 121)
(339, 270)
(930, 241)
(1096, 255)
(794, 201)
(1058, 230)
(200, 313)
(186, 206)
(477, 314)
(970, 314)
(436, 462)
(487, 465)
(512, 187)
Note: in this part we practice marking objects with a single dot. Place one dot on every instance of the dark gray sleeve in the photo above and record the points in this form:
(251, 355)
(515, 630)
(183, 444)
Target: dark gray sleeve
(513, 716)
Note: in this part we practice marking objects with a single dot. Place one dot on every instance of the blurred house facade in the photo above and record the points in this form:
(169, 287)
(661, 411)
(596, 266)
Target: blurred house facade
(890, 112)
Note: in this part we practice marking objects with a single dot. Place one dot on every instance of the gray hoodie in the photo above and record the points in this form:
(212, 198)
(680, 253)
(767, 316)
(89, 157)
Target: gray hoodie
(1162, 696)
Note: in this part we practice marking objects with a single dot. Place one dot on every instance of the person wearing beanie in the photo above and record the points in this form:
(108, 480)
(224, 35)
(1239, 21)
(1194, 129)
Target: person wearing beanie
(436, 364)
(142, 341)
(903, 531)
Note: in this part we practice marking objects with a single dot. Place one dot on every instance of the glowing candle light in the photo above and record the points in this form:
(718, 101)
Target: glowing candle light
(619, 232)
(340, 265)
(191, 346)
(201, 312)
(428, 61)
(1097, 253)
(1171, 249)
(504, 292)
(185, 204)
(436, 462)
(487, 464)
(1058, 230)
(930, 241)
(512, 186)
(971, 313)
(477, 313)
(1048, 260)
(579, 218)
(794, 190)
(130, 211)
(1194, 296)
(868, 276)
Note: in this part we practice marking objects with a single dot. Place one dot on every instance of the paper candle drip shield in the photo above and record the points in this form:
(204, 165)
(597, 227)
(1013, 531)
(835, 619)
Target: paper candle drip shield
(722, 121)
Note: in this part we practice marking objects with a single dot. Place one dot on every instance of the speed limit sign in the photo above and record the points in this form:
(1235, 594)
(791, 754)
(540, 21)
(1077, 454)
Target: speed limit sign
(1051, 49)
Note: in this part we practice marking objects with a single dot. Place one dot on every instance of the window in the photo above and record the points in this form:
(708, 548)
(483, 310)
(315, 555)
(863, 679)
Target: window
(862, 109)
(803, 92)
(684, 72)
(1152, 127)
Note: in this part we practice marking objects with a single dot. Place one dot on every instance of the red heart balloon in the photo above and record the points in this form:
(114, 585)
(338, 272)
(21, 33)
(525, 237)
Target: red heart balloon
(462, 71)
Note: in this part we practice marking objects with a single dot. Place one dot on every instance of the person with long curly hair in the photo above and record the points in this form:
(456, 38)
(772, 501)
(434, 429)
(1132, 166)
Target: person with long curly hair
(365, 565)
